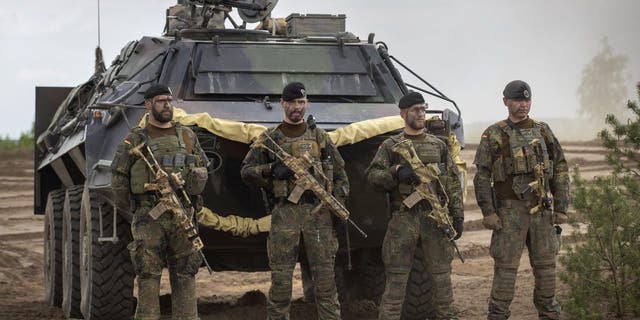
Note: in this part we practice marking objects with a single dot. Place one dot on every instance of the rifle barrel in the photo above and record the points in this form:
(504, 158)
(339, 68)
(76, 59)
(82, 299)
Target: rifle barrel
(364, 235)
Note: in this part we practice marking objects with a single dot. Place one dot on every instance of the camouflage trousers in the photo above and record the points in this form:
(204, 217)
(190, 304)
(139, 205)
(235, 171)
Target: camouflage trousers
(400, 242)
(519, 227)
(283, 245)
(159, 243)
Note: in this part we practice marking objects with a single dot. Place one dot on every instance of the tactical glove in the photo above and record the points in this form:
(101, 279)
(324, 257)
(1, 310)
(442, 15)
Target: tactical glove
(280, 171)
(492, 222)
(458, 225)
(560, 218)
(405, 174)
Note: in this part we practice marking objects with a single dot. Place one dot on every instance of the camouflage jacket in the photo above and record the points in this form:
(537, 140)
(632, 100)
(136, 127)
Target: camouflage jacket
(381, 171)
(257, 163)
(122, 161)
(495, 144)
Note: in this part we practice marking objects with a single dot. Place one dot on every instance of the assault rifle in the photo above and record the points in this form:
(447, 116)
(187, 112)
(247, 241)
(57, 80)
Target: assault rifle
(541, 183)
(428, 190)
(304, 180)
(170, 188)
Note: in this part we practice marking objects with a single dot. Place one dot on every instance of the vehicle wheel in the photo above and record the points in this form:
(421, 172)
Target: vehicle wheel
(371, 283)
(106, 277)
(418, 298)
(53, 248)
(71, 252)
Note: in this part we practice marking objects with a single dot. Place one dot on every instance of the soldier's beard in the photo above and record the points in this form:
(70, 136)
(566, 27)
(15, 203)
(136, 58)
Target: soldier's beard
(296, 116)
(162, 116)
(416, 124)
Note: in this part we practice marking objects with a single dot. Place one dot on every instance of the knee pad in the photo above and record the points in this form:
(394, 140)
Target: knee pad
(281, 285)
(147, 262)
(325, 281)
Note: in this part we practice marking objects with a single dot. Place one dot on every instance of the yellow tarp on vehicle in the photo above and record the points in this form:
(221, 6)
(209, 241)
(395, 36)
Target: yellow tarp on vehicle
(349, 134)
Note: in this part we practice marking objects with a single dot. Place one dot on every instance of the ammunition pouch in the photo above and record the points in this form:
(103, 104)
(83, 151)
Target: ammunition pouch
(196, 180)
(197, 202)
(521, 184)
(139, 176)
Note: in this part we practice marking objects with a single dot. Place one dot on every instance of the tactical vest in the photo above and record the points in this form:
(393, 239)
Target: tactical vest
(171, 154)
(522, 161)
(309, 142)
(429, 153)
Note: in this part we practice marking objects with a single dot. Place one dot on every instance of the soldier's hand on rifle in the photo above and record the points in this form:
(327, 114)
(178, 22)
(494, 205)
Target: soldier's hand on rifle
(458, 225)
(560, 218)
(492, 222)
(280, 171)
(405, 174)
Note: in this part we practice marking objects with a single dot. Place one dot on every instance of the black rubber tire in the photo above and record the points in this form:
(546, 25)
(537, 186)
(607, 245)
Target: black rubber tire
(53, 248)
(419, 294)
(71, 252)
(107, 274)
(371, 282)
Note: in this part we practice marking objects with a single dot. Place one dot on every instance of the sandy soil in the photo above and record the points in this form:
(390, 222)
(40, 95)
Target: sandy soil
(237, 295)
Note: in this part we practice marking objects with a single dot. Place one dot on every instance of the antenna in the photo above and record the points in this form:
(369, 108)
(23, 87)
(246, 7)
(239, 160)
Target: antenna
(98, 23)
(98, 65)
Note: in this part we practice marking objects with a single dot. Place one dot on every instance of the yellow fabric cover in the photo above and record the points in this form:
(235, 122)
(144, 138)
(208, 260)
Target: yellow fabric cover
(349, 134)
(237, 226)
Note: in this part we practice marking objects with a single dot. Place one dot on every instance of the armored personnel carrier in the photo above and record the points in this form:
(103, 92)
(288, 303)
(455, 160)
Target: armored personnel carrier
(227, 73)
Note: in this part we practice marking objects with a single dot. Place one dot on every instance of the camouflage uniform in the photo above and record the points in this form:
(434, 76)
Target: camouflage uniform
(506, 158)
(289, 220)
(161, 242)
(408, 226)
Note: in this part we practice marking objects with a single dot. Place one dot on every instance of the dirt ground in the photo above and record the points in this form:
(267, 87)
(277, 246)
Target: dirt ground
(237, 295)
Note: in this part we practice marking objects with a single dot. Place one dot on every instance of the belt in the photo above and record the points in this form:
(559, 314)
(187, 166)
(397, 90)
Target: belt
(509, 203)
(422, 206)
(307, 198)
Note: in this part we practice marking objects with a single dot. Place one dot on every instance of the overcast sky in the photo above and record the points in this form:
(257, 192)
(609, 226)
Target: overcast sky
(468, 49)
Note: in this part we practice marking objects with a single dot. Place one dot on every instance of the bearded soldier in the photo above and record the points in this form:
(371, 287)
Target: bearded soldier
(290, 221)
(512, 155)
(412, 224)
(160, 241)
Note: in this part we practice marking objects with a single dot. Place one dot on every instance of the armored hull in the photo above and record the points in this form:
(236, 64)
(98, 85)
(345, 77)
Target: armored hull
(228, 74)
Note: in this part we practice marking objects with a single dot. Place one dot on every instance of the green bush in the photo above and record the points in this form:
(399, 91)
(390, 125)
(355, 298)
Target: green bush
(603, 273)
(25, 141)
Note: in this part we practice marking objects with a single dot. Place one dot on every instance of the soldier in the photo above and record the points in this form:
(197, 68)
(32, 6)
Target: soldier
(505, 160)
(160, 242)
(289, 220)
(391, 173)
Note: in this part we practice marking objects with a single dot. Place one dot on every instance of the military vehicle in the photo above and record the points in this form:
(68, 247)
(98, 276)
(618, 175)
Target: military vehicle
(229, 73)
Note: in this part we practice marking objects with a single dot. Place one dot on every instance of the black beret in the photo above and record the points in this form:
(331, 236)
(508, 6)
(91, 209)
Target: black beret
(293, 90)
(410, 99)
(156, 90)
(517, 89)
